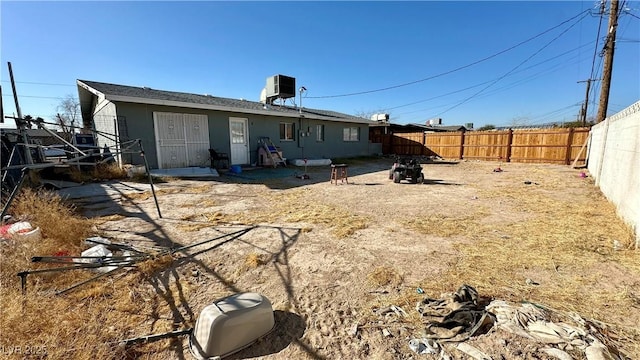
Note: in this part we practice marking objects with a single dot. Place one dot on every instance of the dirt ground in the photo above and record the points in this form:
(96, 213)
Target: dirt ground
(327, 256)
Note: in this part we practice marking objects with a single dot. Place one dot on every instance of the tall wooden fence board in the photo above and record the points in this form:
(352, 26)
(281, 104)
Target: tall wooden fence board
(446, 145)
(560, 146)
(486, 145)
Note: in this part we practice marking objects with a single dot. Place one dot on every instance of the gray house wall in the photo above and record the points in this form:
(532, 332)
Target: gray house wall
(138, 120)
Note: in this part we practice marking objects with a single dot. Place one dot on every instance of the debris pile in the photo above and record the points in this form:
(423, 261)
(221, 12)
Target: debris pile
(457, 317)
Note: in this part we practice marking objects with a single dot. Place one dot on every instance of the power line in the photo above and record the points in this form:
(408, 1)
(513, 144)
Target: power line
(39, 83)
(488, 81)
(495, 91)
(517, 66)
(453, 70)
(34, 96)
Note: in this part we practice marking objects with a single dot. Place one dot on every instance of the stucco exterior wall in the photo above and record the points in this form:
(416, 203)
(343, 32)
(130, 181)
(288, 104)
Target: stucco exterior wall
(614, 162)
(139, 123)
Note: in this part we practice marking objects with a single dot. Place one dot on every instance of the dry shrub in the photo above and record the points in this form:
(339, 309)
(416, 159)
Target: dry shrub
(109, 172)
(86, 323)
(384, 275)
(62, 229)
(253, 260)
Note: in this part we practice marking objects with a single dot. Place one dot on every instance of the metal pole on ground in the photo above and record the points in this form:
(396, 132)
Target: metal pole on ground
(146, 167)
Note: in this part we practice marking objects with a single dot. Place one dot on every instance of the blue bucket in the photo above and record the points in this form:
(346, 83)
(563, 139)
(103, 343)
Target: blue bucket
(236, 169)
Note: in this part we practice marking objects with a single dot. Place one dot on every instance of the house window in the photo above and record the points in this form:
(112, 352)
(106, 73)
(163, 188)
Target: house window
(286, 131)
(351, 134)
(319, 132)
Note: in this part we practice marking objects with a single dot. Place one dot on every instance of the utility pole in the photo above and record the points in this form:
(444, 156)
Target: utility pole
(609, 47)
(583, 111)
(20, 124)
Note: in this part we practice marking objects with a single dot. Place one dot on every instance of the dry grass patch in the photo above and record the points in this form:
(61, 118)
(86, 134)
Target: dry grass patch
(558, 247)
(149, 194)
(298, 206)
(290, 207)
(444, 226)
(204, 203)
(86, 323)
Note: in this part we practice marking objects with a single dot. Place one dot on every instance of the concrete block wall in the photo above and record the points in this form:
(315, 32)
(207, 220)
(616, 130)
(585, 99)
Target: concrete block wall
(614, 162)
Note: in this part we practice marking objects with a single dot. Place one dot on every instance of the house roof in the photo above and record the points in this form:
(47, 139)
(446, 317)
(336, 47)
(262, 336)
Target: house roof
(144, 95)
(440, 128)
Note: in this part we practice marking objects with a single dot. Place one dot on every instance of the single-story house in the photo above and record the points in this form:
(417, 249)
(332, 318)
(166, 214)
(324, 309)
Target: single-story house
(178, 129)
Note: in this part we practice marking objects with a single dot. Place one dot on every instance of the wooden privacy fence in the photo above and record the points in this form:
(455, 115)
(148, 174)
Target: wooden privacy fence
(542, 145)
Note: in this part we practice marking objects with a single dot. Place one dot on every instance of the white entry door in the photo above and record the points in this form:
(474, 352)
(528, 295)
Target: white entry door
(239, 135)
(182, 140)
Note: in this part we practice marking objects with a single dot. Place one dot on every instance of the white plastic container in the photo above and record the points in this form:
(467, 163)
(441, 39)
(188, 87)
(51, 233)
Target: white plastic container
(34, 235)
(231, 324)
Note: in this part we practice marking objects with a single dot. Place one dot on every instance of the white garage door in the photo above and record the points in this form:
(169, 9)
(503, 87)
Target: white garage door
(182, 140)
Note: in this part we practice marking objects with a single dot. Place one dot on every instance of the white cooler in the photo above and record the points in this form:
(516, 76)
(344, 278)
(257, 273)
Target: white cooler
(231, 324)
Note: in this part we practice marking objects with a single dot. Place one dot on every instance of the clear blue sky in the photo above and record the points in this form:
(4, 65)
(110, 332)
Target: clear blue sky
(228, 49)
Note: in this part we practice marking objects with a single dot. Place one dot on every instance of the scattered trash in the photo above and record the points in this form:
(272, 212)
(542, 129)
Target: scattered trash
(472, 351)
(455, 317)
(527, 182)
(424, 346)
(20, 226)
(22, 230)
(474, 198)
(391, 309)
(532, 321)
(419, 290)
(353, 331)
(386, 333)
(617, 246)
(557, 353)
(62, 253)
(583, 174)
(97, 255)
(34, 235)
(532, 282)
(498, 169)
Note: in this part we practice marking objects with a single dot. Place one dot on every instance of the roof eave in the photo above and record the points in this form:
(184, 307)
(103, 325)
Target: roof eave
(138, 100)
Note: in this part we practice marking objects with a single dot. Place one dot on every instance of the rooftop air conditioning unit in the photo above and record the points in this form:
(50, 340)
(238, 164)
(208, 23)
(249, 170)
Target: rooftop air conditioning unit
(380, 117)
(281, 86)
(436, 121)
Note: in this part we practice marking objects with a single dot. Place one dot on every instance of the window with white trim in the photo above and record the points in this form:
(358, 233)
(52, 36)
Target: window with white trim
(319, 132)
(287, 131)
(351, 134)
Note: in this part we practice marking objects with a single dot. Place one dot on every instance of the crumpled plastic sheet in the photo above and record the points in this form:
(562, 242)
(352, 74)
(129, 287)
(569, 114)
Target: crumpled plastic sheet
(531, 322)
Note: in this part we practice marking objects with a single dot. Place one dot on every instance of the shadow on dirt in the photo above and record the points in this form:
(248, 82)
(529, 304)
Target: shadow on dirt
(289, 328)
